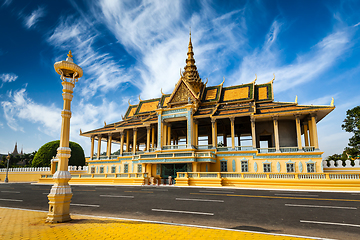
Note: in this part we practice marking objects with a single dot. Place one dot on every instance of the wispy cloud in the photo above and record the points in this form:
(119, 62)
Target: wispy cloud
(7, 77)
(34, 17)
(86, 116)
(306, 67)
(102, 71)
(156, 32)
(6, 3)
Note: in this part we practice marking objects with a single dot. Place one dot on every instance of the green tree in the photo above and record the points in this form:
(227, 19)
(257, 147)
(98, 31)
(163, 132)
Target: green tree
(352, 125)
(46, 152)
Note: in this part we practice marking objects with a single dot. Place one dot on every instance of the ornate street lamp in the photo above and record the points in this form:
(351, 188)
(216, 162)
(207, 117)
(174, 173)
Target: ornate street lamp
(60, 194)
(7, 168)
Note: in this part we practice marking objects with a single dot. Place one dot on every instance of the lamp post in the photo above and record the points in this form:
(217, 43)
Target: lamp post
(7, 169)
(60, 194)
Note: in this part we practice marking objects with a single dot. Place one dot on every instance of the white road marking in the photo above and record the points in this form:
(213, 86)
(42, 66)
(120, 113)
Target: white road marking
(176, 211)
(10, 191)
(295, 195)
(317, 206)
(331, 223)
(116, 196)
(11, 200)
(198, 199)
(84, 205)
(154, 189)
(216, 192)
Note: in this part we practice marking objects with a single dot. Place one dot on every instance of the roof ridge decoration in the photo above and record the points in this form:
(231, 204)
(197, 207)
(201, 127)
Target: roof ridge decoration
(254, 79)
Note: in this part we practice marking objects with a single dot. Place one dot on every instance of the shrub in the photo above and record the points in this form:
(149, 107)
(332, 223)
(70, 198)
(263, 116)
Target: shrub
(48, 151)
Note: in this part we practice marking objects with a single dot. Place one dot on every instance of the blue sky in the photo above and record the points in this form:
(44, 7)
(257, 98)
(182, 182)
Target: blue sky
(127, 48)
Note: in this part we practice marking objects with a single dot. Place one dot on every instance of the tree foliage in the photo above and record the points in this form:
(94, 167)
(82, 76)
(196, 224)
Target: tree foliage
(352, 125)
(48, 151)
(18, 160)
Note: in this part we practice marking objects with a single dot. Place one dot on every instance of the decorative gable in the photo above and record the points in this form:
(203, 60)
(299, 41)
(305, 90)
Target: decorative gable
(182, 95)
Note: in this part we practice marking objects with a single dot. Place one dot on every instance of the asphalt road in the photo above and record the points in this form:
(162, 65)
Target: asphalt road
(315, 214)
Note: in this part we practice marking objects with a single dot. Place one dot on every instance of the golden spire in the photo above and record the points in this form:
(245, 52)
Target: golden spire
(191, 75)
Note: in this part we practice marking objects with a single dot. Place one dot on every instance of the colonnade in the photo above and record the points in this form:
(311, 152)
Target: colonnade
(166, 137)
(125, 144)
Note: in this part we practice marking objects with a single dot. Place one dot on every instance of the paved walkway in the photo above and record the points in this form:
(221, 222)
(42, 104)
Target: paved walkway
(25, 224)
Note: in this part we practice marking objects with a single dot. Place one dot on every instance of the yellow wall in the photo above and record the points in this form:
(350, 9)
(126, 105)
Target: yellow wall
(22, 176)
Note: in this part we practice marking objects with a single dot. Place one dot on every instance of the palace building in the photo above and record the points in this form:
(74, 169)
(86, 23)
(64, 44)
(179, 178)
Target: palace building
(203, 129)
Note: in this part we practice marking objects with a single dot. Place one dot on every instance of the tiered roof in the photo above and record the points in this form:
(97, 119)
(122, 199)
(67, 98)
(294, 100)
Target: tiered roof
(251, 99)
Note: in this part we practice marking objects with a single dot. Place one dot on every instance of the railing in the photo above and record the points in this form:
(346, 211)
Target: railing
(202, 147)
(289, 149)
(312, 176)
(266, 150)
(44, 169)
(344, 176)
(295, 176)
(104, 175)
(168, 147)
(309, 149)
(224, 149)
(281, 176)
(177, 155)
(127, 153)
(38, 169)
(243, 148)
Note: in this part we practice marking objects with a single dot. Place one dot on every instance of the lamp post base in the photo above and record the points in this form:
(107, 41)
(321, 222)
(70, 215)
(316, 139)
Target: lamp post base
(60, 198)
(59, 208)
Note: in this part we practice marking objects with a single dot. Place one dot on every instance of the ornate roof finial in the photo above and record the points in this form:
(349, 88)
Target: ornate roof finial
(139, 98)
(254, 79)
(332, 102)
(222, 81)
(296, 98)
(161, 91)
(273, 78)
(69, 58)
(129, 102)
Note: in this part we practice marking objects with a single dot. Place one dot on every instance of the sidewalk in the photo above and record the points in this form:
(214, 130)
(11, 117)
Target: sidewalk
(27, 224)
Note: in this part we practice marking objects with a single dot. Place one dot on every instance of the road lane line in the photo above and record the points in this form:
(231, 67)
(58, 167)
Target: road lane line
(10, 192)
(159, 190)
(331, 223)
(11, 200)
(297, 195)
(177, 211)
(317, 206)
(117, 196)
(215, 192)
(75, 190)
(139, 191)
(84, 205)
(298, 198)
(198, 199)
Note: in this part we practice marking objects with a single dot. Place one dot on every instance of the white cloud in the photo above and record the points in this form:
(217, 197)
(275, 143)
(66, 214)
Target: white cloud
(34, 17)
(7, 77)
(304, 68)
(86, 116)
(156, 33)
(102, 72)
